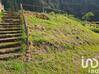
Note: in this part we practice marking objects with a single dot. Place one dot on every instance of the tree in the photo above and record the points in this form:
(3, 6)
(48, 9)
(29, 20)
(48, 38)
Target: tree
(88, 16)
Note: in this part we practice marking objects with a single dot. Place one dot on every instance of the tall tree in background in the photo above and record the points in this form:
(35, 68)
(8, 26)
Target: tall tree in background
(11, 4)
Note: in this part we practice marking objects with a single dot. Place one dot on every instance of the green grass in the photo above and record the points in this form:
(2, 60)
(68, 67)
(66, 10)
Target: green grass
(57, 49)
(95, 30)
(12, 67)
(1, 14)
(61, 45)
(69, 42)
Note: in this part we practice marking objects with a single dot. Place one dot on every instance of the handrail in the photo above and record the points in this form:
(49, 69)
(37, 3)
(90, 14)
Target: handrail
(24, 21)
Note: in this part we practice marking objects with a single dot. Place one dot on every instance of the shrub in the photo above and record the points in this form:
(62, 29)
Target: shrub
(95, 30)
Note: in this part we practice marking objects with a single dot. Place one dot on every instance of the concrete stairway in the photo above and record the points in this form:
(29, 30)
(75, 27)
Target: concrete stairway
(10, 37)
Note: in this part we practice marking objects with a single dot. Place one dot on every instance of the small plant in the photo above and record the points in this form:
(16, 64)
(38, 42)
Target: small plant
(88, 16)
(95, 30)
(37, 37)
(1, 14)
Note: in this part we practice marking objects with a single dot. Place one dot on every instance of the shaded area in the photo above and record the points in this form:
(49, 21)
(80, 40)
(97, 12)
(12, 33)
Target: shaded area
(11, 4)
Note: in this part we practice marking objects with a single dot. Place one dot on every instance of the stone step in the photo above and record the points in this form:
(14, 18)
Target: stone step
(10, 35)
(10, 44)
(10, 26)
(10, 56)
(10, 17)
(9, 29)
(10, 50)
(12, 20)
(10, 32)
(13, 39)
(9, 23)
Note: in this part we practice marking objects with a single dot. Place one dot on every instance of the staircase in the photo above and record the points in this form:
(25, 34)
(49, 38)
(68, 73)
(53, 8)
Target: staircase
(10, 36)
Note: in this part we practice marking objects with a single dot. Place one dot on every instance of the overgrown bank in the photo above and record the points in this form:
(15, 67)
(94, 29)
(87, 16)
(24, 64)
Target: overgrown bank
(57, 43)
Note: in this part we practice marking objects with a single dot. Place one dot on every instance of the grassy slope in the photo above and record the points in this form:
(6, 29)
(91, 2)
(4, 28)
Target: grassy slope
(57, 49)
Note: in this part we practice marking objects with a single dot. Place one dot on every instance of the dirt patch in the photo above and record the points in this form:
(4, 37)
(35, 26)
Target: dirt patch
(38, 15)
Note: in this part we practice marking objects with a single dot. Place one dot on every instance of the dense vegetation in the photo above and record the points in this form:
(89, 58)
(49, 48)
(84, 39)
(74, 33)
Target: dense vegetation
(77, 7)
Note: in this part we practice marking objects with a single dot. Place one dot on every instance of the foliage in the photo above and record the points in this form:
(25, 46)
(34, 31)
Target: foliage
(88, 16)
(95, 30)
(75, 6)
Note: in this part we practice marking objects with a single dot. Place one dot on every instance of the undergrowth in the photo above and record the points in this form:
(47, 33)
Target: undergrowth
(57, 45)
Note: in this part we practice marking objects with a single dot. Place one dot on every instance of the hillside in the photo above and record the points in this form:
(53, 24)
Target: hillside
(56, 42)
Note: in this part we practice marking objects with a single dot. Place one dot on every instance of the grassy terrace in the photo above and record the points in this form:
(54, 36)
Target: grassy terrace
(57, 43)
(59, 46)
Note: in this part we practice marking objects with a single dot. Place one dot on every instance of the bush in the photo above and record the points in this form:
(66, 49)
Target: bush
(95, 30)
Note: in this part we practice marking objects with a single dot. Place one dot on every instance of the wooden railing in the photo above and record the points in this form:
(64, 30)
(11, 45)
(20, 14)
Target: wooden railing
(24, 23)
